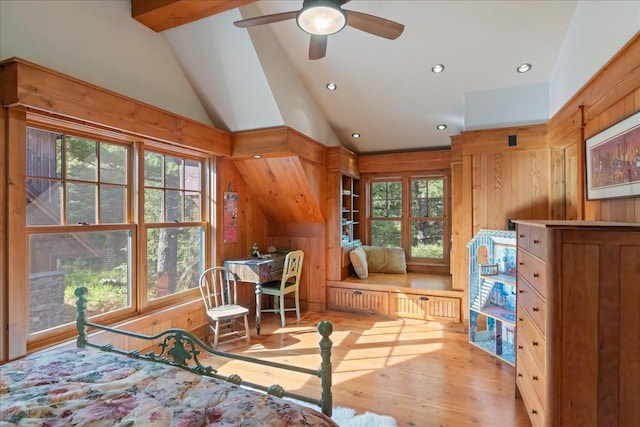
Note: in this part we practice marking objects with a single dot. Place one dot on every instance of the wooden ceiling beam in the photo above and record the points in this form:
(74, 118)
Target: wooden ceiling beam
(160, 15)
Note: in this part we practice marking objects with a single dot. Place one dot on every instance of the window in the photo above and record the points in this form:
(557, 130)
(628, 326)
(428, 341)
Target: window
(410, 212)
(83, 230)
(172, 215)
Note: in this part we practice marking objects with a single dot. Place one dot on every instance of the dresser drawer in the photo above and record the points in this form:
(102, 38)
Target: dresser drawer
(529, 336)
(532, 304)
(526, 367)
(532, 239)
(534, 407)
(356, 300)
(533, 271)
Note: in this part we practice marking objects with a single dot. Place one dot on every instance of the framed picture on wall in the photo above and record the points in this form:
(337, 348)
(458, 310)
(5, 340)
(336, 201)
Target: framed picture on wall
(613, 161)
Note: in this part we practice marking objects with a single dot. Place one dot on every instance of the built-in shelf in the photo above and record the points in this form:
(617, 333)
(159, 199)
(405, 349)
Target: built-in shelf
(350, 190)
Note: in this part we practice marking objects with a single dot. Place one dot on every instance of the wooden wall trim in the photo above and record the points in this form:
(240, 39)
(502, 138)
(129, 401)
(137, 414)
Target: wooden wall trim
(277, 142)
(4, 248)
(35, 87)
(160, 15)
(528, 138)
(408, 161)
(339, 159)
(17, 273)
(607, 86)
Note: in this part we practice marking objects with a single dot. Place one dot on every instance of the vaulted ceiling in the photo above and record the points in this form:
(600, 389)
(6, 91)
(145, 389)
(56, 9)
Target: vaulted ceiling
(386, 91)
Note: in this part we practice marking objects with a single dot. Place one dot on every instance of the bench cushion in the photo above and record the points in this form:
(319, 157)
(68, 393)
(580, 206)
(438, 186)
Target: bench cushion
(385, 260)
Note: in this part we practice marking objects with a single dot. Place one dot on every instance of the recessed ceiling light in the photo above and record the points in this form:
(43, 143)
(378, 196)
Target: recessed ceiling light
(355, 135)
(332, 86)
(523, 68)
(438, 68)
(441, 126)
(257, 156)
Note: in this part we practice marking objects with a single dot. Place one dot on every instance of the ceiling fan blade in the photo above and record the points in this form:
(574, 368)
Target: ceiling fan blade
(265, 19)
(317, 46)
(374, 24)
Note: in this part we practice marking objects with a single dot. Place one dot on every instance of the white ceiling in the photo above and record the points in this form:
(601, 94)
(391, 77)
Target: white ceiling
(262, 77)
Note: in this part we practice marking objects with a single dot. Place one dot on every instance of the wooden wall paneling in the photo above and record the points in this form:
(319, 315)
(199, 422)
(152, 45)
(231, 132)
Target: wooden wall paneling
(161, 15)
(608, 97)
(4, 249)
(333, 220)
(413, 161)
(521, 196)
(342, 160)
(558, 187)
(277, 142)
(281, 188)
(533, 137)
(17, 272)
(540, 183)
(37, 87)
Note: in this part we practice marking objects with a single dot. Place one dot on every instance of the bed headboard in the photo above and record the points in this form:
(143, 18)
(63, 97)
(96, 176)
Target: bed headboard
(181, 348)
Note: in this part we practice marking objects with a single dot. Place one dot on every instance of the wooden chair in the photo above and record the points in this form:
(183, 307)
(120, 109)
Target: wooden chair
(218, 289)
(290, 282)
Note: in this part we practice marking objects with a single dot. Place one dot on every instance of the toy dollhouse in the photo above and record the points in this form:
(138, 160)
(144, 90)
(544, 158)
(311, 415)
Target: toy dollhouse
(492, 292)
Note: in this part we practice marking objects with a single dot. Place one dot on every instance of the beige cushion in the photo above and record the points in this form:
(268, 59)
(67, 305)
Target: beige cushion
(359, 261)
(385, 260)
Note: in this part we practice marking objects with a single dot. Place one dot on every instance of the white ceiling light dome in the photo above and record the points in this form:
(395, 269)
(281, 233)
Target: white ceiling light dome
(321, 17)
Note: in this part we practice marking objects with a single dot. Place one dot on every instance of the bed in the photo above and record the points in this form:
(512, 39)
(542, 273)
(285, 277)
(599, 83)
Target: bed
(96, 385)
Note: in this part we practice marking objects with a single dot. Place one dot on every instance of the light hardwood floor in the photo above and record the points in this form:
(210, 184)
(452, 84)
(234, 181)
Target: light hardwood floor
(421, 373)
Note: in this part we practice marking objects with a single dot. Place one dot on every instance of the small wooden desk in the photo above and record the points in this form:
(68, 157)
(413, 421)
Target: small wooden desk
(257, 271)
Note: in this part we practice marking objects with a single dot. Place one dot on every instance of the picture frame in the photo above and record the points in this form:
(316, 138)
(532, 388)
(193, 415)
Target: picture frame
(488, 269)
(613, 161)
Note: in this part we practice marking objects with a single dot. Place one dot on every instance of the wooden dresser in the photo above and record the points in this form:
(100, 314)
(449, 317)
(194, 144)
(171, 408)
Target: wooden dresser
(578, 323)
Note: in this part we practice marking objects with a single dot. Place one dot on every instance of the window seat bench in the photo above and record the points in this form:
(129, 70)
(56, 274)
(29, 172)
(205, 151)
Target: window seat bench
(405, 295)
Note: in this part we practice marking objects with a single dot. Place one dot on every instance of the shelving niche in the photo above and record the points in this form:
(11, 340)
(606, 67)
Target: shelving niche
(492, 293)
(350, 210)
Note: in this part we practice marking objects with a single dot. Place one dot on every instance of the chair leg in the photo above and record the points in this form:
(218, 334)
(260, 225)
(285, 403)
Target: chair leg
(216, 332)
(282, 310)
(246, 329)
(297, 304)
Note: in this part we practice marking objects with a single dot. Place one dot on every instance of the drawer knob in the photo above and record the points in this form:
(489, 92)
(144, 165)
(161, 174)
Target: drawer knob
(536, 274)
(520, 319)
(521, 263)
(536, 309)
(534, 412)
(535, 242)
(357, 292)
(423, 299)
(521, 235)
(519, 347)
(521, 291)
(533, 377)
(535, 343)
(519, 374)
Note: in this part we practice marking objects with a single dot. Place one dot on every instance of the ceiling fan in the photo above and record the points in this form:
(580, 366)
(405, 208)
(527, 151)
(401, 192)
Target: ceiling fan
(320, 18)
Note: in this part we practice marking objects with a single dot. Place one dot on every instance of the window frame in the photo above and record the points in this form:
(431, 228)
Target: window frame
(134, 222)
(413, 263)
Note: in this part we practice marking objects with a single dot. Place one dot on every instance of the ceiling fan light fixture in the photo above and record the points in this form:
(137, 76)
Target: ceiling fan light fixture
(321, 17)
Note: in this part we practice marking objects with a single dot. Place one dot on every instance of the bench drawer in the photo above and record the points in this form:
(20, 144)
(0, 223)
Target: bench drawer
(357, 300)
(425, 307)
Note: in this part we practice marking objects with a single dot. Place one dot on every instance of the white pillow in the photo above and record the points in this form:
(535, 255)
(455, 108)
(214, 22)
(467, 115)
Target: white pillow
(359, 261)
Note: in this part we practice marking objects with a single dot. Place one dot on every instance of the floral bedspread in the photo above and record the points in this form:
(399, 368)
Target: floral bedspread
(89, 387)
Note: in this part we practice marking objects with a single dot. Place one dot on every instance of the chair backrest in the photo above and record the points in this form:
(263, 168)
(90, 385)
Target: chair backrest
(218, 287)
(292, 269)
